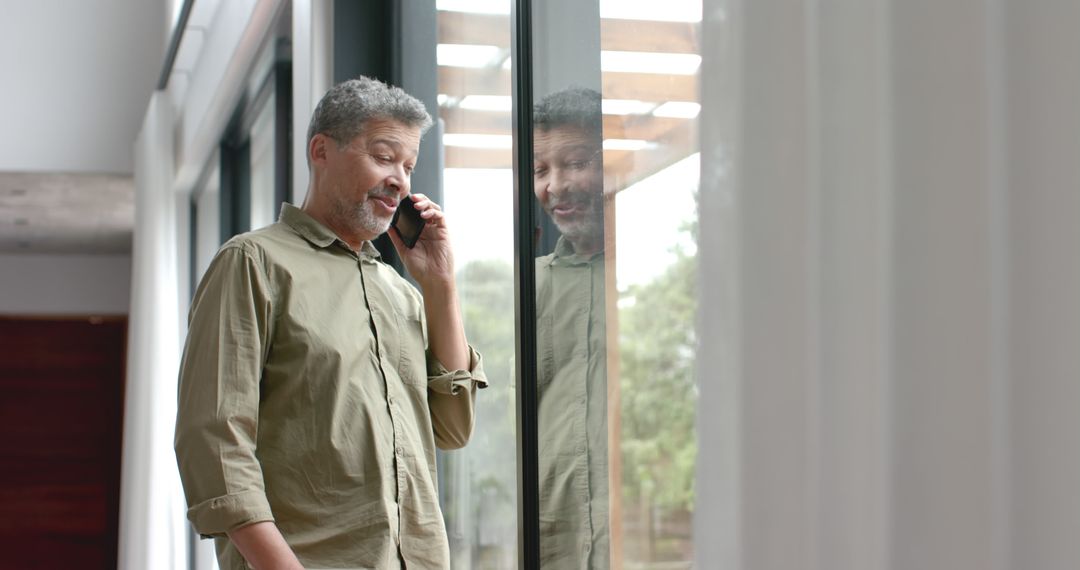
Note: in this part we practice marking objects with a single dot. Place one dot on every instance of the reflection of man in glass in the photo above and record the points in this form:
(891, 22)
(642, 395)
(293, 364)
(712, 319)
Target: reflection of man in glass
(571, 347)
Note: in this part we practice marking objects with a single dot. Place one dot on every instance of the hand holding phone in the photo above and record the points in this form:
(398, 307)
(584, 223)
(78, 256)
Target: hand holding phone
(407, 222)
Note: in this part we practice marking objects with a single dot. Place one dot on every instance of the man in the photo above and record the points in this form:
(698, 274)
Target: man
(309, 406)
(571, 333)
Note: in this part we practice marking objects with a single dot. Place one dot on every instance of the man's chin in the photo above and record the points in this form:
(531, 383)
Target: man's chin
(374, 225)
(576, 232)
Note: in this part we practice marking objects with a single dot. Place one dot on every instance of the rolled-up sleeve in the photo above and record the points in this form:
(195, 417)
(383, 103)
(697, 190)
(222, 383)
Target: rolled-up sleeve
(218, 401)
(452, 397)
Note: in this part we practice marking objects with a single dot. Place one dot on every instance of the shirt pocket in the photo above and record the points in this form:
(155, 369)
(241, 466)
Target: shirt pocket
(412, 352)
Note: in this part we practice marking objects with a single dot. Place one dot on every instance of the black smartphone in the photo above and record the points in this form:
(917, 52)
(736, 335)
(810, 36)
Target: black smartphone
(407, 221)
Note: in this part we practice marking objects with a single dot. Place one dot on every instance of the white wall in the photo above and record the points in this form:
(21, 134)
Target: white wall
(65, 284)
(72, 64)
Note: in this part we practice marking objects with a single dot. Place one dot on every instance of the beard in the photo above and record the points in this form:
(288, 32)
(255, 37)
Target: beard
(586, 223)
(362, 215)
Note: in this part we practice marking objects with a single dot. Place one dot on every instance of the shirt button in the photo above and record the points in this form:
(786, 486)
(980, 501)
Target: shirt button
(390, 400)
(398, 450)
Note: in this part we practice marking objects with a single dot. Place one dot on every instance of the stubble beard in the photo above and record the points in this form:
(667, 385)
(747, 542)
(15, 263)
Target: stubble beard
(588, 227)
(361, 215)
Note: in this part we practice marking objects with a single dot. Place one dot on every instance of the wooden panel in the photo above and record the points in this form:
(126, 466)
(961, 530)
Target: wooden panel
(60, 434)
(476, 122)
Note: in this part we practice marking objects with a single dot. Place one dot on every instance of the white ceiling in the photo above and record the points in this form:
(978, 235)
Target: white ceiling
(75, 80)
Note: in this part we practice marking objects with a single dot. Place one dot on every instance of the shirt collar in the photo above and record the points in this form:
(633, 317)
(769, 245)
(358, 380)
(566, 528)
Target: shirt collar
(564, 252)
(319, 235)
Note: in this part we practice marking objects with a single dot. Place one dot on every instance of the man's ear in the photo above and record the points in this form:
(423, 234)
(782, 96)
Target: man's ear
(317, 149)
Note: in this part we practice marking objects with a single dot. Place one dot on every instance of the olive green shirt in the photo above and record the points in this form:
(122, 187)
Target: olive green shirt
(307, 398)
(572, 382)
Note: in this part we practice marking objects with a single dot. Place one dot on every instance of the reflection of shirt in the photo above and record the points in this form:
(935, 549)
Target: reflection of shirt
(572, 368)
(306, 398)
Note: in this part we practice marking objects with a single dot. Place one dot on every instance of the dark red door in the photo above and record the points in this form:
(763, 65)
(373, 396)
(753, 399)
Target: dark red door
(61, 411)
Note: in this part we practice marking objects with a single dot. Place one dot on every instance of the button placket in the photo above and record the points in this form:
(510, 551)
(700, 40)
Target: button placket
(375, 316)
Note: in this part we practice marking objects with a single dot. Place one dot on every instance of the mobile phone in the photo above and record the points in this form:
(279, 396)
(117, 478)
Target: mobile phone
(407, 221)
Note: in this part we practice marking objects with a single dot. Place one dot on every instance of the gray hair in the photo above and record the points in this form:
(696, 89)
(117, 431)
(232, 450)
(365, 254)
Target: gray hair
(347, 106)
(575, 107)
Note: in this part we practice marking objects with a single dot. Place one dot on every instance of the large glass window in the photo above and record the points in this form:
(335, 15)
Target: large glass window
(479, 482)
(262, 156)
(206, 235)
(616, 171)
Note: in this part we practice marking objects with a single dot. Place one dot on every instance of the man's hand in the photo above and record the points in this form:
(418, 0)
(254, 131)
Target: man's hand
(430, 261)
(264, 548)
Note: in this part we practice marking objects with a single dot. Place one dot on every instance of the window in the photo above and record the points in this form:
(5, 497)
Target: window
(480, 481)
(616, 173)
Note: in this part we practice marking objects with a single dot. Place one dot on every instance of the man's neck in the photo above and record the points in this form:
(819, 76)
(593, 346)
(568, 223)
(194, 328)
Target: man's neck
(322, 215)
(587, 247)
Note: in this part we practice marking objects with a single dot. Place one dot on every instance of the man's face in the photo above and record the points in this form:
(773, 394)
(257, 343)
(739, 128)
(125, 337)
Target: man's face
(568, 178)
(369, 176)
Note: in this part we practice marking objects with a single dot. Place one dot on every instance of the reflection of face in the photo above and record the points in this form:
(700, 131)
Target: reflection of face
(368, 177)
(568, 177)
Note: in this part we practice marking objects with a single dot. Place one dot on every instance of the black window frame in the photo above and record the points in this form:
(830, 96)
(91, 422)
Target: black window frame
(235, 147)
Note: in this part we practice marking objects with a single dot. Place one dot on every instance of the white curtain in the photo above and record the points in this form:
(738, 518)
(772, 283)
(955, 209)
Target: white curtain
(890, 286)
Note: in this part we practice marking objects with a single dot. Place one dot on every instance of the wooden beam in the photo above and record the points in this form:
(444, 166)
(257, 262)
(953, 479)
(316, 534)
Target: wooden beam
(616, 35)
(645, 35)
(476, 122)
(641, 127)
(628, 168)
(462, 81)
(649, 87)
(644, 127)
(672, 140)
(477, 29)
(464, 157)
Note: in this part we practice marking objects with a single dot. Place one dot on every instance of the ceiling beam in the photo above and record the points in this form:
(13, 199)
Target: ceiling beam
(644, 127)
(462, 81)
(615, 35)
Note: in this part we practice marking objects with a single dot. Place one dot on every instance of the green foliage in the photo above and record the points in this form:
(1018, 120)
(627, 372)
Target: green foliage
(479, 483)
(659, 396)
(487, 304)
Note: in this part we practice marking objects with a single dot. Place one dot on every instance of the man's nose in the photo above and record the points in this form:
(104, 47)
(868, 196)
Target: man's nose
(558, 182)
(399, 181)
